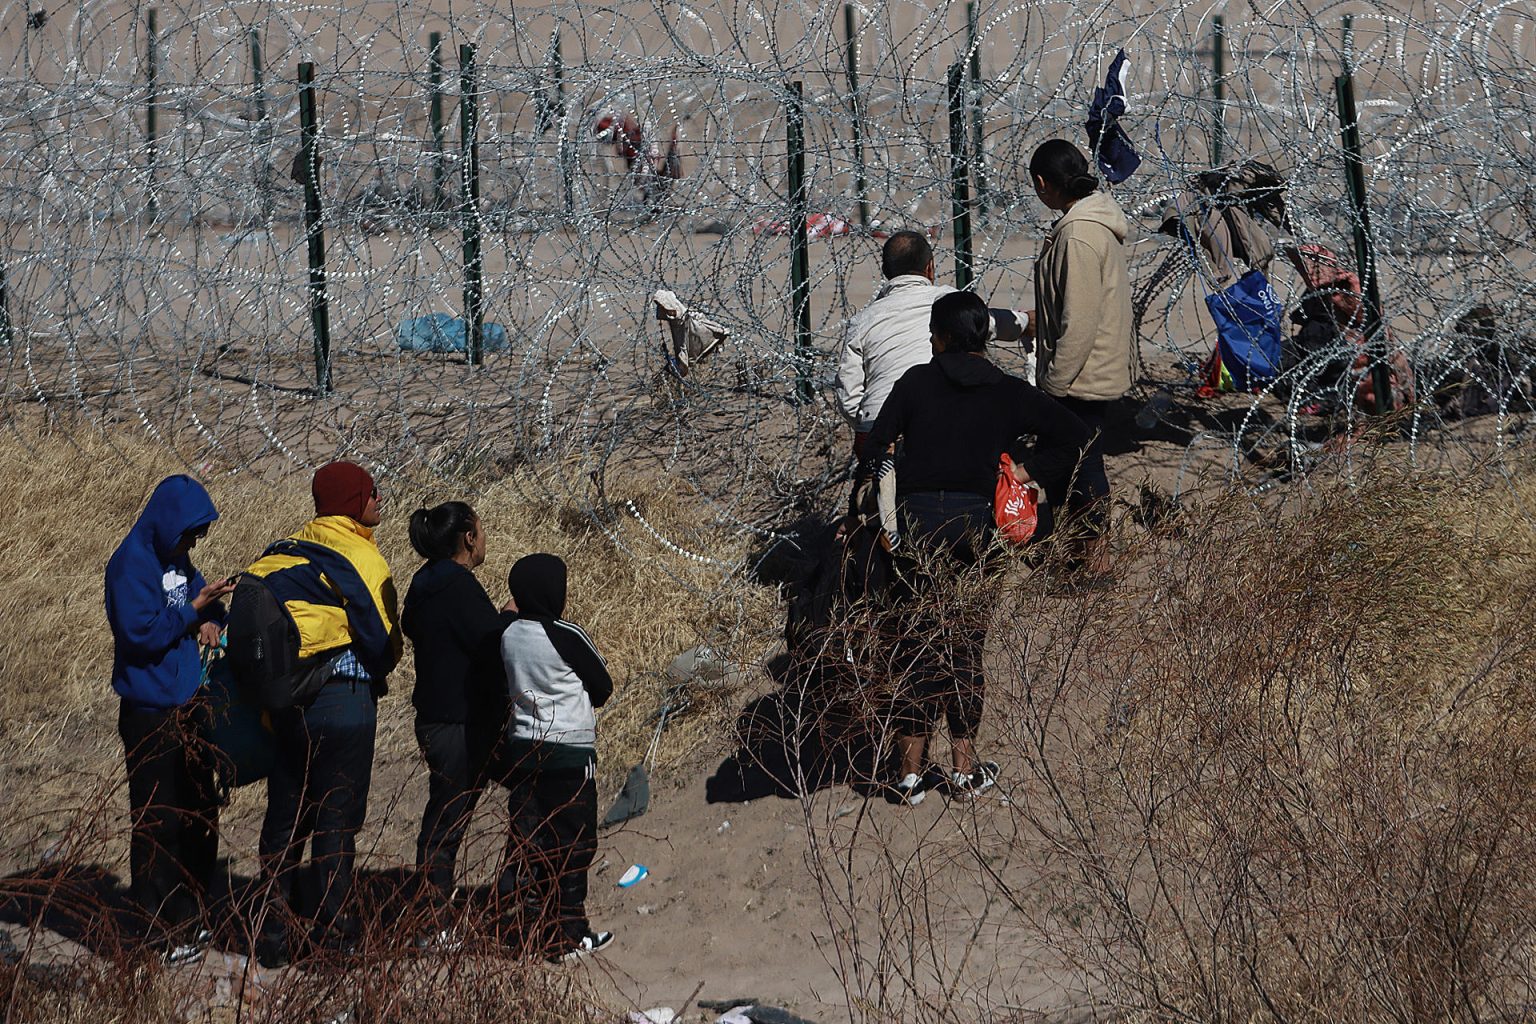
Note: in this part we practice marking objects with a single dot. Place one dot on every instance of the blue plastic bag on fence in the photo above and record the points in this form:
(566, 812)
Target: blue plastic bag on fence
(1248, 333)
(439, 332)
(241, 732)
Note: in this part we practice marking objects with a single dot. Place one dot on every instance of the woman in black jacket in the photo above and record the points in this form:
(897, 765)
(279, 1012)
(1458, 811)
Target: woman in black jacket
(454, 627)
(955, 416)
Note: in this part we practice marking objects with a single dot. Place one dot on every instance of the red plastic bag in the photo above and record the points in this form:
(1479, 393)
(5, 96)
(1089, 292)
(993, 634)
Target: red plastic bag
(1015, 506)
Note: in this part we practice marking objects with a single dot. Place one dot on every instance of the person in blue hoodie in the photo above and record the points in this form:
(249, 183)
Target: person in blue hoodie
(160, 610)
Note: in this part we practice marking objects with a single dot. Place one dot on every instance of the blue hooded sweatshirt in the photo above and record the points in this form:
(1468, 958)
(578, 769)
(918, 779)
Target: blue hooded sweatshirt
(155, 661)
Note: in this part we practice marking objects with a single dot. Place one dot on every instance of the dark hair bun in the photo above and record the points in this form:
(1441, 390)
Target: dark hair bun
(436, 532)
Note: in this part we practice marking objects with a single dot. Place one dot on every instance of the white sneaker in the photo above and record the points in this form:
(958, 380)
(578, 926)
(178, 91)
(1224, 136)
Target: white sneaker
(443, 940)
(911, 790)
(183, 953)
(966, 786)
(590, 943)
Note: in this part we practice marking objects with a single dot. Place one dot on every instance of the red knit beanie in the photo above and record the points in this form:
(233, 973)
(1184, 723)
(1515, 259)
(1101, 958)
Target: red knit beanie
(341, 489)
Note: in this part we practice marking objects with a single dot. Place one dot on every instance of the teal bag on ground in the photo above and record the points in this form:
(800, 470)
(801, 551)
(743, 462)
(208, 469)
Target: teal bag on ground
(239, 732)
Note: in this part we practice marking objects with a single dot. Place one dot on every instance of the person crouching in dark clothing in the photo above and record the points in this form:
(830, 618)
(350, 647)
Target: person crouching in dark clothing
(548, 761)
(955, 416)
(454, 628)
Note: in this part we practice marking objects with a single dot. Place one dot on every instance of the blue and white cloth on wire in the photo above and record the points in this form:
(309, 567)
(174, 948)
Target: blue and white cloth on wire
(1111, 147)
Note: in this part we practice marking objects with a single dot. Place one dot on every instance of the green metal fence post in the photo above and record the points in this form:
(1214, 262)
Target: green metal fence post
(978, 126)
(435, 117)
(1219, 85)
(151, 102)
(263, 128)
(1365, 256)
(959, 177)
(5, 313)
(799, 245)
(309, 164)
(566, 151)
(557, 75)
(469, 121)
(860, 185)
(258, 77)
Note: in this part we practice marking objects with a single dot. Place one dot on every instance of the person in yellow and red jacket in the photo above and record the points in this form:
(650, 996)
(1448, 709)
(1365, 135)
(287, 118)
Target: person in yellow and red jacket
(334, 582)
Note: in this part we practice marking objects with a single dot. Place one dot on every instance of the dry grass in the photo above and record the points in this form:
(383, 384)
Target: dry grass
(69, 496)
(1285, 771)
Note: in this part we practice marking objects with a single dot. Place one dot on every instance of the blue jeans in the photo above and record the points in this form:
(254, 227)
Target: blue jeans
(953, 523)
(318, 792)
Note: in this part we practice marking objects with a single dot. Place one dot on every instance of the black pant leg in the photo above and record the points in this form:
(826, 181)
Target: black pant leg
(451, 797)
(200, 825)
(168, 861)
(342, 725)
(573, 831)
(1089, 500)
(286, 826)
(968, 685)
(552, 844)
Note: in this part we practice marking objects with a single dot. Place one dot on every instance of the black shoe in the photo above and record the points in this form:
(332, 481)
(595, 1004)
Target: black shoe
(272, 951)
(963, 786)
(909, 790)
(585, 946)
(177, 953)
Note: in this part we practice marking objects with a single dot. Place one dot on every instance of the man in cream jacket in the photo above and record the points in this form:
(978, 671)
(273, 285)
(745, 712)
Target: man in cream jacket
(890, 335)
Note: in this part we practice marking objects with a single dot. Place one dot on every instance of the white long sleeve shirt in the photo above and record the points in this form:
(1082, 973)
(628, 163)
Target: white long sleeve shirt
(885, 340)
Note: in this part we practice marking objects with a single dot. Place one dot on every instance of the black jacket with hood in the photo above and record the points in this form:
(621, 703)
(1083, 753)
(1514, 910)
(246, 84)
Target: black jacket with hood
(455, 630)
(555, 677)
(958, 413)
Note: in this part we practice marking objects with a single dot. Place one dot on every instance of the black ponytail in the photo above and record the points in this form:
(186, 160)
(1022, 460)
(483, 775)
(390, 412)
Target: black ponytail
(962, 319)
(437, 532)
(1064, 168)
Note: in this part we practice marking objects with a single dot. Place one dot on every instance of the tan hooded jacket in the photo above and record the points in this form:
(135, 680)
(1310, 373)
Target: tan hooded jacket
(1083, 304)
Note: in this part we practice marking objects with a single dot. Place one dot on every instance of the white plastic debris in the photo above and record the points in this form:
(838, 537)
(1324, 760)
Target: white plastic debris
(655, 1015)
(694, 336)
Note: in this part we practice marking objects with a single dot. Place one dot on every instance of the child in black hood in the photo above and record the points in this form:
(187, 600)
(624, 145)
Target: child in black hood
(548, 759)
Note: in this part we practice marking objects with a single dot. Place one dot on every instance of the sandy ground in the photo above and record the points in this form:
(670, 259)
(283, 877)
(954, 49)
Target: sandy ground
(744, 896)
(732, 901)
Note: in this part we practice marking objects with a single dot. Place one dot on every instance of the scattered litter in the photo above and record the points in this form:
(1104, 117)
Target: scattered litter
(439, 332)
(634, 797)
(694, 336)
(698, 665)
(645, 909)
(632, 874)
(735, 1015)
(739, 1003)
(843, 812)
(773, 1015)
(655, 1015)
(725, 826)
(817, 225)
